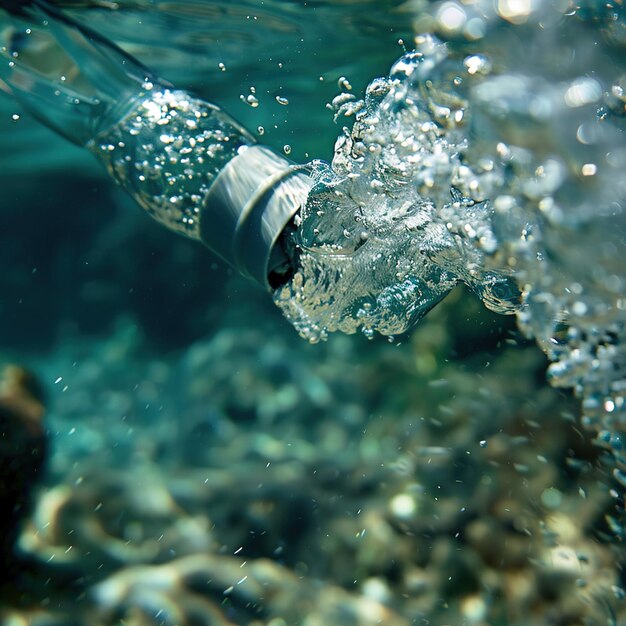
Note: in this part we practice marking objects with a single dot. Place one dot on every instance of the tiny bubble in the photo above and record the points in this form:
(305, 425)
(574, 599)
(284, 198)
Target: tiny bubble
(287, 149)
(250, 99)
(282, 100)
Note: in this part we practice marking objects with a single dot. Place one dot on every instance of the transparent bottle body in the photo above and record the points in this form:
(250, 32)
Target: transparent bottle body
(167, 151)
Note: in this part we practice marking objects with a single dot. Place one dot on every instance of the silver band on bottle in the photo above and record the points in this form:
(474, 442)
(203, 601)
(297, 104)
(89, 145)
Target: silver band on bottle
(248, 206)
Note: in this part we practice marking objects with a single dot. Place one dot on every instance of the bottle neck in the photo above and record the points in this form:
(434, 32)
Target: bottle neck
(67, 76)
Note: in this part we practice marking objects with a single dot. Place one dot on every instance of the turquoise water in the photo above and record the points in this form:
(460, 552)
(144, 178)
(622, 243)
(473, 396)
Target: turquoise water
(208, 466)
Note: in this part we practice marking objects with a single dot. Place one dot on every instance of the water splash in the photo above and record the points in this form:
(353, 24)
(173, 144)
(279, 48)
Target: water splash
(399, 219)
(495, 159)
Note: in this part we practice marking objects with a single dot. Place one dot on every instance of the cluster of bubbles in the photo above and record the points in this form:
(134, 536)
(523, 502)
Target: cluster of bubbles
(495, 158)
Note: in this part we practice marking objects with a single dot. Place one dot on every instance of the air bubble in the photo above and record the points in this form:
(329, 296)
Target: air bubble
(369, 333)
(250, 100)
(477, 64)
(344, 83)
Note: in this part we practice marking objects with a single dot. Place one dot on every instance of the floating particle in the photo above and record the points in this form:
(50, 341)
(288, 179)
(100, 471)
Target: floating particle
(282, 100)
(287, 149)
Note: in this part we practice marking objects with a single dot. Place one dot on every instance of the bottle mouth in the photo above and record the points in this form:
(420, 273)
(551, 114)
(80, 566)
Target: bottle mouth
(249, 207)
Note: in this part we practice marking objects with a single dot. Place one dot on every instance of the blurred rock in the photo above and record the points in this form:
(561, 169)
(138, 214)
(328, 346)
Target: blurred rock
(23, 450)
(212, 590)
